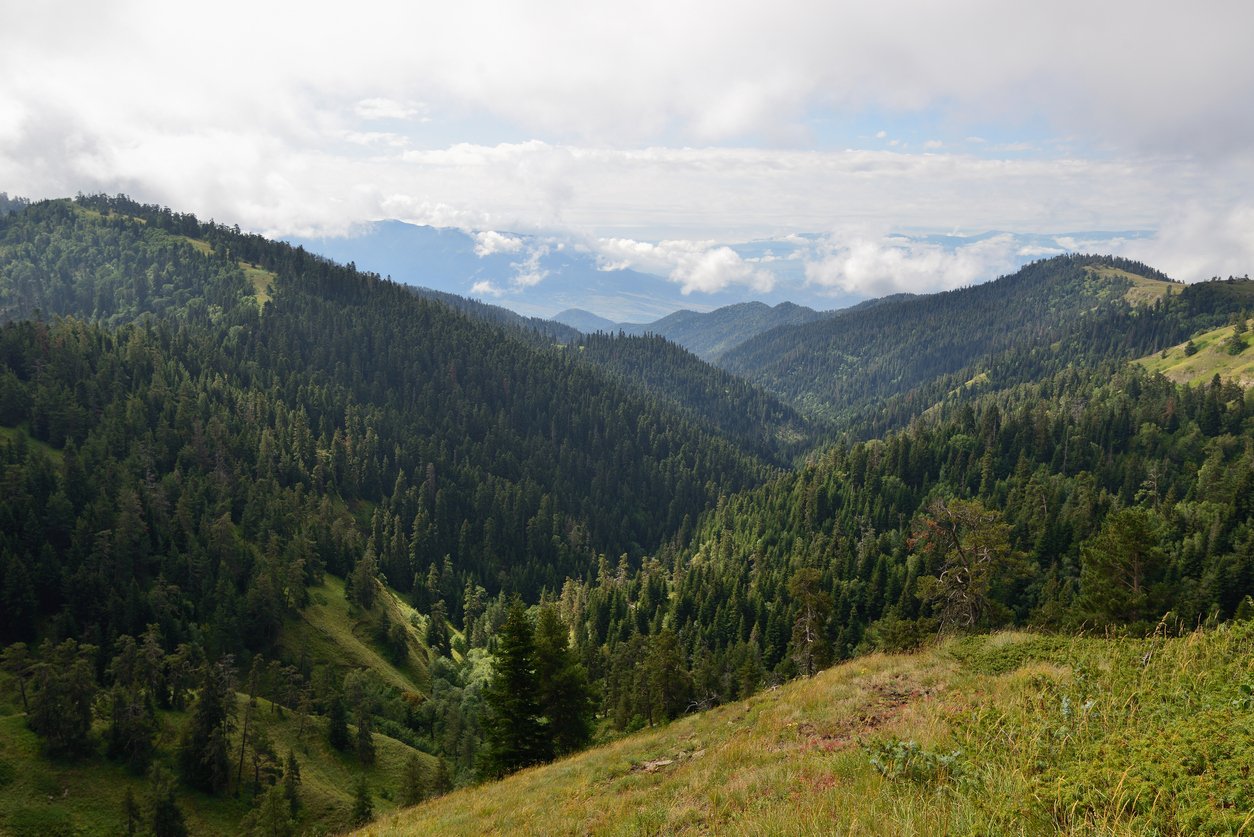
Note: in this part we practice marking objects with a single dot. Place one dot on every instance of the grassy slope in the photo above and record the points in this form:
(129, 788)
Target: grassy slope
(1143, 290)
(41, 797)
(1211, 359)
(12, 434)
(331, 633)
(1083, 736)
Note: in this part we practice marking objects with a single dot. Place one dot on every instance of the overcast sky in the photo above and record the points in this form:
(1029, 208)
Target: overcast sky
(653, 128)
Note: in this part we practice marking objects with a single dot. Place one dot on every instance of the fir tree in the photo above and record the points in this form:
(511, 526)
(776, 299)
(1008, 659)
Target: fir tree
(565, 696)
(337, 724)
(165, 817)
(363, 805)
(516, 734)
(203, 752)
(291, 783)
(413, 781)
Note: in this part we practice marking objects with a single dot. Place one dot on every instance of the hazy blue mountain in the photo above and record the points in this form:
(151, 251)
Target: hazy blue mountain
(540, 274)
(535, 276)
(707, 334)
(590, 323)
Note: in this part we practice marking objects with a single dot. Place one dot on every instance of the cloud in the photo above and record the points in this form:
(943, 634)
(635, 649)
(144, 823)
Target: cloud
(656, 121)
(1199, 241)
(485, 288)
(694, 265)
(490, 242)
(383, 108)
(872, 266)
(528, 272)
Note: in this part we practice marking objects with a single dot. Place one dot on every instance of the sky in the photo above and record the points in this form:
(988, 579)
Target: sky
(656, 133)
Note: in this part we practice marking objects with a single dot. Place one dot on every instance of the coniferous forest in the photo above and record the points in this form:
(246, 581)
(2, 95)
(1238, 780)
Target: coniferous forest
(269, 521)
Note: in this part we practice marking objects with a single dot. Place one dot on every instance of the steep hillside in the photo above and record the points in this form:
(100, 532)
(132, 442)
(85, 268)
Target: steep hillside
(40, 796)
(391, 394)
(1003, 734)
(841, 366)
(540, 328)
(753, 418)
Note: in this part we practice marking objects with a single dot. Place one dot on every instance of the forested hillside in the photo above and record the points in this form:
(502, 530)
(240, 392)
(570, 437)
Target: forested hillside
(874, 368)
(707, 334)
(198, 424)
(756, 420)
(443, 546)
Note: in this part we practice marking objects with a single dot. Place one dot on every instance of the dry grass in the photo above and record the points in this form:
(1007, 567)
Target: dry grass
(1007, 717)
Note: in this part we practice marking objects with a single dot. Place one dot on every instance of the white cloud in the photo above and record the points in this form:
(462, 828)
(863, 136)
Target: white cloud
(871, 266)
(490, 242)
(382, 108)
(528, 272)
(694, 265)
(368, 138)
(649, 115)
(485, 288)
(1200, 241)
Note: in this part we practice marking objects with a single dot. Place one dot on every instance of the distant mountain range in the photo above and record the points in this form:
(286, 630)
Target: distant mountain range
(532, 275)
(706, 334)
(538, 275)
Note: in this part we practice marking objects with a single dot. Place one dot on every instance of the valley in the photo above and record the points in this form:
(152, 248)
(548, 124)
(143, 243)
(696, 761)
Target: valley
(920, 561)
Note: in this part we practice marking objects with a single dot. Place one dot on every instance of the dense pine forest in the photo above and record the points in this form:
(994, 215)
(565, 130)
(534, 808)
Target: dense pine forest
(207, 436)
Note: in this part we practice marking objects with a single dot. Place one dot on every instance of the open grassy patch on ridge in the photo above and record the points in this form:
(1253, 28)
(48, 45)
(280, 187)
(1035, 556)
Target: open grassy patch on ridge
(1211, 358)
(1006, 734)
(1142, 290)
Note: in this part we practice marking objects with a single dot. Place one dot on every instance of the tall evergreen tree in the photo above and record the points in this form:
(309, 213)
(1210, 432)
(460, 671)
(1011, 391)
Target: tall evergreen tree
(165, 817)
(565, 695)
(65, 688)
(363, 805)
(516, 733)
(203, 753)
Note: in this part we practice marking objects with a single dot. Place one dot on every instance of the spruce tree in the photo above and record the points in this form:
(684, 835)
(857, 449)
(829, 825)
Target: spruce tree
(363, 805)
(413, 781)
(337, 724)
(65, 688)
(565, 696)
(516, 734)
(165, 817)
(291, 783)
(203, 754)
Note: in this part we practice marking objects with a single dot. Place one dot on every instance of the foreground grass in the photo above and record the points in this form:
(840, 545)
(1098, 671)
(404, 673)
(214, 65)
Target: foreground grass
(1007, 734)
